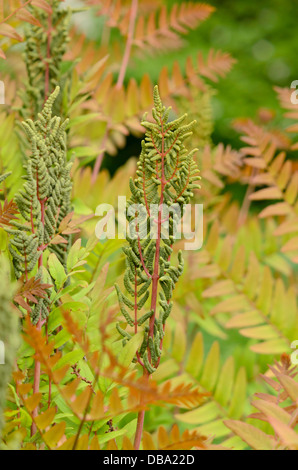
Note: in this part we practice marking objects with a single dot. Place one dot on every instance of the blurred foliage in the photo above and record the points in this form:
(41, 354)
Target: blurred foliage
(234, 315)
(261, 38)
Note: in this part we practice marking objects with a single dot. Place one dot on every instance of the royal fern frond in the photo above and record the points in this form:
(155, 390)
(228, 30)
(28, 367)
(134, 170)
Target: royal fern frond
(246, 295)
(8, 212)
(156, 28)
(281, 180)
(18, 10)
(46, 44)
(174, 440)
(44, 200)
(166, 177)
(224, 386)
(163, 31)
(283, 420)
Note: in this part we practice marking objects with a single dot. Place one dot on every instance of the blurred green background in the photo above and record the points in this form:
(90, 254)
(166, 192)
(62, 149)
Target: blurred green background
(261, 36)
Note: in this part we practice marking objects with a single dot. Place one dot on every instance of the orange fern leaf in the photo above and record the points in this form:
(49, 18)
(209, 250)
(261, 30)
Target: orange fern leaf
(30, 291)
(8, 212)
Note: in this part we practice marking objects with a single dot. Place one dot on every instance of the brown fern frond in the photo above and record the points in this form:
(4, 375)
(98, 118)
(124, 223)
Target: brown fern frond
(268, 168)
(217, 64)
(156, 28)
(8, 212)
(162, 31)
(283, 419)
(284, 96)
(15, 10)
(249, 297)
(223, 161)
(174, 440)
(30, 291)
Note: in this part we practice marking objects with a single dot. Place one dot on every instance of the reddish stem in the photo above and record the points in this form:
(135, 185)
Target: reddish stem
(155, 278)
(100, 156)
(246, 201)
(47, 71)
(36, 381)
(131, 27)
(141, 417)
(15, 12)
(139, 431)
(136, 302)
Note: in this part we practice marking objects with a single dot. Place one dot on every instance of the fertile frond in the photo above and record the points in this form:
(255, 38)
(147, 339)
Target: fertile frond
(48, 38)
(44, 200)
(8, 212)
(166, 178)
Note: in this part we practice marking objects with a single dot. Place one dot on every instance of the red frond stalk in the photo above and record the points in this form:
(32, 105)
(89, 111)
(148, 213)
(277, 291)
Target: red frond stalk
(47, 71)
(155, 278)
(36, 381)
(141, 417)
(131, 28)
(136, 302)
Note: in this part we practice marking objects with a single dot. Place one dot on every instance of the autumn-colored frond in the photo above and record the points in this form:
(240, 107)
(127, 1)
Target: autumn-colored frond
(275, 172)
(156, 28)
(246, 296)
(18, 10)
(282, 419)
(8, 212)
(29, 291)
(162, 31)
(174, 440)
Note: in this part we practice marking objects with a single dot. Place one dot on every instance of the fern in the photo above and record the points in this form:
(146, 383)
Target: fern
(9, 334)
(282, 419)
(246, 295)
(155, 28)
(43, 58)
(15, 9)
(88, 403)
(134, 100)
(224, 386)
(163, 31)
(163, 161)
(276, 173)
(187, 354)
(45, 199)
(167, 175)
